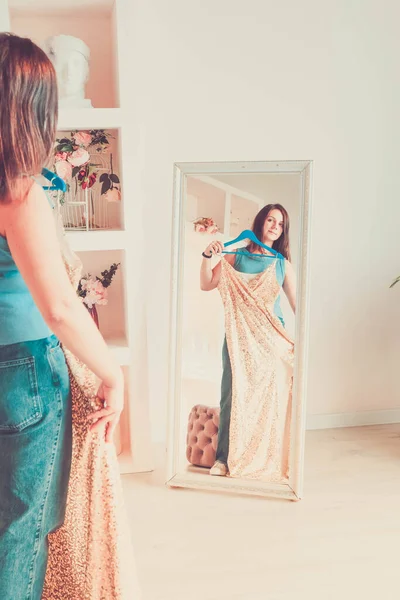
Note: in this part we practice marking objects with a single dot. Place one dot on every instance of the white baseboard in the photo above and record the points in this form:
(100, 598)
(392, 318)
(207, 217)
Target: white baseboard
(356, 419)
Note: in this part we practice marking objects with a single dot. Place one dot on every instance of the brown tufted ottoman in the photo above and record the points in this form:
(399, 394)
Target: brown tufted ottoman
(202, 435)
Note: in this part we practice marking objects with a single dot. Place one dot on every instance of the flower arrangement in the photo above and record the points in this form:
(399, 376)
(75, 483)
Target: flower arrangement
(206, 225)
(93, 290)
(72, 159)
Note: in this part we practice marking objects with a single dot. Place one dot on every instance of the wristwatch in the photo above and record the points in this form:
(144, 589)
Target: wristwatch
(205, 255)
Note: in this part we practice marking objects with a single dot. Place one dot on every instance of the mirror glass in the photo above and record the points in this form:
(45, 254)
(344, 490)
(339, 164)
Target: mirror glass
(239, 248)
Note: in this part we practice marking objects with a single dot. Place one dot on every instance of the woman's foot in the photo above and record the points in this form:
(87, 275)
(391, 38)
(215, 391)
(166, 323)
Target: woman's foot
(219, 468)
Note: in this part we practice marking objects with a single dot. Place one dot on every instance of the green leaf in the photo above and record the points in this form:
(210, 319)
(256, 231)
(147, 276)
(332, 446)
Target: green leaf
(103, 177)
(65, 148)
(114, 178)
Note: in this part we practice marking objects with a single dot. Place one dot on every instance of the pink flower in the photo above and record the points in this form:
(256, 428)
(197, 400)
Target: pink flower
(63, 169)
(206, 224)
(60, 156)
(82, 139)
(95, 292)
(113, 195)
(79, 157)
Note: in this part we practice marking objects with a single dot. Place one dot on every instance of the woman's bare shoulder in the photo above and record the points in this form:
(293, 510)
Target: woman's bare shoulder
(25, 212)
(33, 193)
(9, 209)
(288, 265)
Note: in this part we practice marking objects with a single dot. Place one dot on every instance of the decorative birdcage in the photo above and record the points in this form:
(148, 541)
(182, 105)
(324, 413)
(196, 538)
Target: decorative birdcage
(91, 186)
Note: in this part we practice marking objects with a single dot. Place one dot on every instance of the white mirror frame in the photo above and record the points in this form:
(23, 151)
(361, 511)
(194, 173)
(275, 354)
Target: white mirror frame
(175, 479)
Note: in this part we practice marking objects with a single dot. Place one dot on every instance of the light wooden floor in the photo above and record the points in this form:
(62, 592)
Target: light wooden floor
(342, 541)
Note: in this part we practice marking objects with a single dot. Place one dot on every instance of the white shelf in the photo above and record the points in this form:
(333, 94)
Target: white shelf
(89, 118)
(88, 241)
(121, 351)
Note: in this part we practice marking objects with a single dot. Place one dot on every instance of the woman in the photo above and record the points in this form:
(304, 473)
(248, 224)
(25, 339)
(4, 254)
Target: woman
(39, 311)
(251, 295)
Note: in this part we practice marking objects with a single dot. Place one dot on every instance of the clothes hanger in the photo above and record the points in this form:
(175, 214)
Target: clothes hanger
(56, 182)
(247, 234)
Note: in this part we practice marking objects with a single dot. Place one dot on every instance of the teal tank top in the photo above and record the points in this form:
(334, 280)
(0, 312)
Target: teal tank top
(20, 319)
(248, 263)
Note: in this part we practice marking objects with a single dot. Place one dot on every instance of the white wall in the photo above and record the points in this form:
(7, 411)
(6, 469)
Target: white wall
(232, 80)
(4, 16)
(210, 201)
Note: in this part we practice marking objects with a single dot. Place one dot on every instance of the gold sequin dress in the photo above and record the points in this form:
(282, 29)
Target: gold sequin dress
(261, 355)
(90, 556)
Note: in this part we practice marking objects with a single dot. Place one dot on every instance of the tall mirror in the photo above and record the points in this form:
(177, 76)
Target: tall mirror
(239, 327)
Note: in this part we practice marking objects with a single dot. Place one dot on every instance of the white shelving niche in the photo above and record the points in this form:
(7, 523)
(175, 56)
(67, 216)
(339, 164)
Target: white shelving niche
(101, 24)
(94, 198)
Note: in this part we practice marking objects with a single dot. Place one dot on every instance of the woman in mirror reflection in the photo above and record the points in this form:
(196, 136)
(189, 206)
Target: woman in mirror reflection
(257, 355)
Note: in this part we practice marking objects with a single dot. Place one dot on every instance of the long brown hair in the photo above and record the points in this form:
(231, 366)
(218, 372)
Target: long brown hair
(28, 113)
(282, 244)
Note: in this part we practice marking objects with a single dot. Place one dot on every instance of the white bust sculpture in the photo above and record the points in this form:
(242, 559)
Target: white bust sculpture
(70, 57)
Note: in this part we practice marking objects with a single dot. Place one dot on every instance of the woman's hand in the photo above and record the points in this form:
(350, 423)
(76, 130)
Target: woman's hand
(215, 247)
(107, 418)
